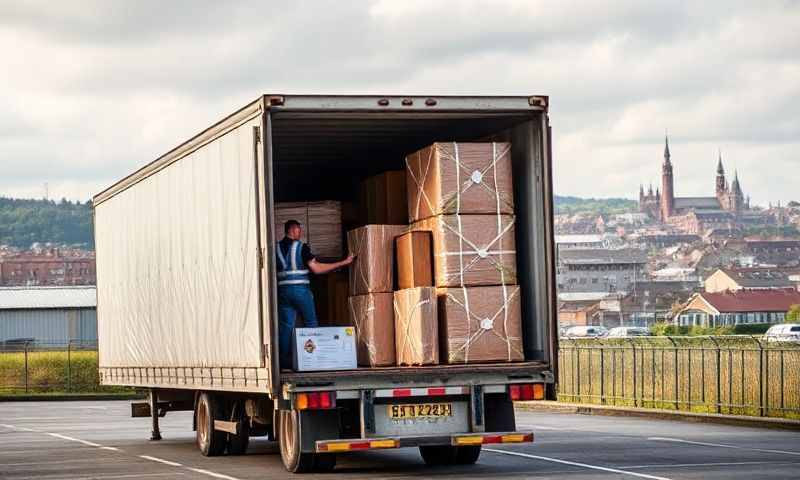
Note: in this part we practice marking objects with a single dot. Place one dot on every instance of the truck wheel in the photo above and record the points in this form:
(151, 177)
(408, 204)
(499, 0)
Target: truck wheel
(468, 455)
(438, 454)
(449, 455)
(237, 444)
(289, 441)
(210, 441)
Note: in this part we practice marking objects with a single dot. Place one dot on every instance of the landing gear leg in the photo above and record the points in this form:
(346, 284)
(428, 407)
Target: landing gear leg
(156, 433)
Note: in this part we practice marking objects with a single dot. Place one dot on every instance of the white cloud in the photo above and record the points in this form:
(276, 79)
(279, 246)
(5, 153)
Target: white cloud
(92, 91)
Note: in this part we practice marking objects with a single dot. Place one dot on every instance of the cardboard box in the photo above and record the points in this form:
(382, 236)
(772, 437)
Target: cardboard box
(330, 298)
(373, 269)
(324, 348)
(480, 324)
(415, 326)
(459, 178)
(414, 260)
(384, 199)
(322, 225)
(472, 250)
(372, 315)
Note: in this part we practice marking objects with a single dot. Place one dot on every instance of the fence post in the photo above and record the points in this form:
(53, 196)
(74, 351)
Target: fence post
(717, 398)
(26, 367)
(69, 365)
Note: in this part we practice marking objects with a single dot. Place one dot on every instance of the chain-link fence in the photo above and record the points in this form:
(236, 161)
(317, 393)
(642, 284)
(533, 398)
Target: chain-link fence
(30, 367)
(738, 375)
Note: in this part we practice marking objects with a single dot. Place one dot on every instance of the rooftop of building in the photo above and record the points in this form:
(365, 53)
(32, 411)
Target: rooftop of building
(744, 301)
(19, 298)
(601, 256)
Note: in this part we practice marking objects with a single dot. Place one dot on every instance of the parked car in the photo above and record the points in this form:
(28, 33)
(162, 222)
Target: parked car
(619, 332)
(786, 332)
(586, 332)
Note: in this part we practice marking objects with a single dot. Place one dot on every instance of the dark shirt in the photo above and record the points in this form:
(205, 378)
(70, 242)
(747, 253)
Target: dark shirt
(286, 245)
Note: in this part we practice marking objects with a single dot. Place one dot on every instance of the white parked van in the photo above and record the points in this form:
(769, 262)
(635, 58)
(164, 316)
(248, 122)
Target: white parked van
(787, 332)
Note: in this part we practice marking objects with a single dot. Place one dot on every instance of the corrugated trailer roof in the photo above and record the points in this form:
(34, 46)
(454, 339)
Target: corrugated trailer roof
(17, 298)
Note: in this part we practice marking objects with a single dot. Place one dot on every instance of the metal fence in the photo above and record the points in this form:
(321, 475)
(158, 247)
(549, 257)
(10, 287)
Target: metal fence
(739, 375)
(31, 367)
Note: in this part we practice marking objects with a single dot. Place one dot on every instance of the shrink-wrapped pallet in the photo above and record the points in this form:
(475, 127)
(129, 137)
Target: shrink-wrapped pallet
(480, 324)
(415, 326)
(321, 222)
(372, 315)
(459, 178)
(372, 271)
(472, 250)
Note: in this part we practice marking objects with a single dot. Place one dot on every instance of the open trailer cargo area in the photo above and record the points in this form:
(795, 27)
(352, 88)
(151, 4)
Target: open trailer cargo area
(187, 290)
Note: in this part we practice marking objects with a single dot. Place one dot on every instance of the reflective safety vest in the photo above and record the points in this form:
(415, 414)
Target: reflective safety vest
(288, 271)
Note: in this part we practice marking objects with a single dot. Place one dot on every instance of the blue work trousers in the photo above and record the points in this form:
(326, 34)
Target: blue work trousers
(293, 299)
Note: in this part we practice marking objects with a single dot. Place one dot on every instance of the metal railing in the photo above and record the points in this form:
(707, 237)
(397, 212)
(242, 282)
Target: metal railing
(33, 367)
(738, 375)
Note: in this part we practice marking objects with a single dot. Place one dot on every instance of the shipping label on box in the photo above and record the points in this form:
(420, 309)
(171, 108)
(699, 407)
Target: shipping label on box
(324, 348)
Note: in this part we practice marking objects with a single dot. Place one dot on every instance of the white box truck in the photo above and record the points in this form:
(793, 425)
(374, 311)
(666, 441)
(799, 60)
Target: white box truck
(186, 274)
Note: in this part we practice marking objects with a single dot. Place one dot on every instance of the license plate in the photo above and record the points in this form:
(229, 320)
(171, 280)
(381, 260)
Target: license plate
(420, 410)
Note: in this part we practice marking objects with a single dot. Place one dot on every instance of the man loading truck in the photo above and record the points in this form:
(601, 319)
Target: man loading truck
(294, 292)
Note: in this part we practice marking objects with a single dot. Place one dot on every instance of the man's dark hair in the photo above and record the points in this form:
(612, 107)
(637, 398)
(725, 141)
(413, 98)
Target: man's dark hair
(289, 224)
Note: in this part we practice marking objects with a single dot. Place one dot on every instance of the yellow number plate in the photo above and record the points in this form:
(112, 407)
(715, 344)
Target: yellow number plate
(420, 410)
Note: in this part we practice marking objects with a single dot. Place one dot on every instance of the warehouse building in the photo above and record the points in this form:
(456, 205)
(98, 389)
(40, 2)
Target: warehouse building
(48, 315)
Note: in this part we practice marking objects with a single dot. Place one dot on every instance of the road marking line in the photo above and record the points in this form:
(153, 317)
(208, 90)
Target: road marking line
(721, 445)
(72, 439)
(212, 474)
(715, 464)
(576, 464)
(160, 460)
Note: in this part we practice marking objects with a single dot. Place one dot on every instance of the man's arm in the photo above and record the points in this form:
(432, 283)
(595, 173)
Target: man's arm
(321, 268)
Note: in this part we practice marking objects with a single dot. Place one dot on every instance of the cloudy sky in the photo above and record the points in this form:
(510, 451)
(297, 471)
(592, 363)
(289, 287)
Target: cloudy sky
(89, 91)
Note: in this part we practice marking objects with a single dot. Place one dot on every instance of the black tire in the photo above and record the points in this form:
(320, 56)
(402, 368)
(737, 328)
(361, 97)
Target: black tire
(468, 455)
(289, 441)
(434, 455)
(449, 455)
(210, 441)
(237, 444)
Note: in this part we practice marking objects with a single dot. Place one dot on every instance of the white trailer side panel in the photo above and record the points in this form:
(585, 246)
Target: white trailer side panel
(177, 266)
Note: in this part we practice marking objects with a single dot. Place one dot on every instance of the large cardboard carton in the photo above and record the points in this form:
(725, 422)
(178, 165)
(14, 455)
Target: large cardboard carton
(373, 268)
(472, 250)
(415, 326)
(480, 324)
(324, 348)
(384, 198)
(372, 315)
(459, 178)
(322, 225)
(414, 260)
(330, 298)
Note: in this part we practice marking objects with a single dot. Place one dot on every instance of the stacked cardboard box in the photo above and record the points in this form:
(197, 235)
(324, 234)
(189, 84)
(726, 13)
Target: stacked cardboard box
(416, 329)
(370, 286)
(322, 225)
(383, 199)
(462, 193)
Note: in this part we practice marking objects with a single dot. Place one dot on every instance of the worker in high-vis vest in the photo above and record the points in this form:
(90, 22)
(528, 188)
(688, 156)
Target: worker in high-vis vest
(295, 261)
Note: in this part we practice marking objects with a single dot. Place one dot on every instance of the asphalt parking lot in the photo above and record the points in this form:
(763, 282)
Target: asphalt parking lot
(99, 440)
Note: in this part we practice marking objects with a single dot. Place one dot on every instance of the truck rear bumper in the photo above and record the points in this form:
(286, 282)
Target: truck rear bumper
(459, 440)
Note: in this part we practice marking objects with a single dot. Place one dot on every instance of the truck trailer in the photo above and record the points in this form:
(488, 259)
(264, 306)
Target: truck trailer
(187, 295)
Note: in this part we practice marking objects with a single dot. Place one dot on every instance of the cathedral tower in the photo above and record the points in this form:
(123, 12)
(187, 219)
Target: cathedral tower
(722, 186)
(667, 192)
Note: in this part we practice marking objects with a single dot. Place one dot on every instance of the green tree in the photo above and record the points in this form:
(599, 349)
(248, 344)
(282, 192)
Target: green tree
(794, 314)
